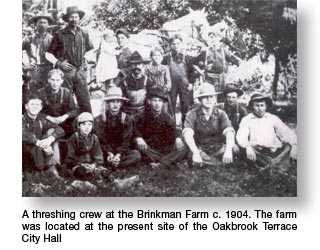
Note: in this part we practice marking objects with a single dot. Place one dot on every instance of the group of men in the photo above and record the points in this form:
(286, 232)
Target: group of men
(133, 127)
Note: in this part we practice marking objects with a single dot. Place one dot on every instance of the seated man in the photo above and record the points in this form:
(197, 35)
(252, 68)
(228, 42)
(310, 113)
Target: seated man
(156, 134)
(115, 130)
(59, 106)
(208, 131)
(231, 106)
(39, 139)
(266, 139)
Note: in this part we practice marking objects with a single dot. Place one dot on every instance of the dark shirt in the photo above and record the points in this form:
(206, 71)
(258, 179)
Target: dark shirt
(115, 132)
(159, 132)
(40, 44)
(83, 149)
(235, 113)
(70, 45)
(34, 130)
(123, 57)
(208, 133)
(58, 104)
(215, 61)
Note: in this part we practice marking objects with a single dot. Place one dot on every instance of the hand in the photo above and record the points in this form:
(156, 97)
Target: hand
(44, 143)
(29, 66)
(52, 119)
(61, 119)
(110, 157)
(190, 87)
(251, 154)
(227, 157)
(116, 160)
(196, 159)
(141, 144)
(90, 167)
(179, 144)
(293, 152)
(65, 66)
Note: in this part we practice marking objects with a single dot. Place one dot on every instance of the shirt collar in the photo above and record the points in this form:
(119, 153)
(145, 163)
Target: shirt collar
(266, 115)
(67, 29)
(213, 114)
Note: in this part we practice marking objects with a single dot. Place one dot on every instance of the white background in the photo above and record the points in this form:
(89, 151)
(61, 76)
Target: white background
(306, 204)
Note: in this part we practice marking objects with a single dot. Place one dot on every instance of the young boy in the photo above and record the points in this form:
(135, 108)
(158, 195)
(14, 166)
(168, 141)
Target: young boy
(84, 154)
(59, 106)
(266, 139)
(115, 130)
(156, 134)
(39, 138)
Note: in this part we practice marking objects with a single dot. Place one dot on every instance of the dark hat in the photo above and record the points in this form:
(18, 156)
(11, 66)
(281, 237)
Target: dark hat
(122, 31)
(35, 19)
(71, 10)
(136, 58)
(157, 91)
(259, 97)
(232, 88)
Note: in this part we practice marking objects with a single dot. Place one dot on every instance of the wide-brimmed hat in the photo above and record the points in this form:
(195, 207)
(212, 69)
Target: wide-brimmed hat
(36, 18)
(137, 58)
(260, 97)
(71, 10)
(114, 93)
(230, 88)
(157, 92)
(206, 89)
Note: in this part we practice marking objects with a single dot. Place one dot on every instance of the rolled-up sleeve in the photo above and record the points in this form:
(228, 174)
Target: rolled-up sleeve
(189, 123)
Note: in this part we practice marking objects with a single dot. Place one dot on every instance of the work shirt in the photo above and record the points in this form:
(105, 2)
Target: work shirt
(83, 149)
(235, 113)
(135, 90)
(40, 44)
(158, 131)
(58, 104)
(36, 129)
(208, 134)
(115, 132)
(70, 45)
(268, 131)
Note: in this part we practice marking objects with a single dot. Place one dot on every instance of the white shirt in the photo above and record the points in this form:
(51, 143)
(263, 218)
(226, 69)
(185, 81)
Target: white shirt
(268, 131)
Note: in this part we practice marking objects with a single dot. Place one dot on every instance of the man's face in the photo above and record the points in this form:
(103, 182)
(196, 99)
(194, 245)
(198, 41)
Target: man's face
(176, 45)
(231, 98)
(156, 104)
(122, 40)
(42, 25)
(85, 128)
(114, 106)
(55, 81)
(259, 108)
(208, 101)
(34, 107)
(214, 39)
(74, 19)
(136, 68)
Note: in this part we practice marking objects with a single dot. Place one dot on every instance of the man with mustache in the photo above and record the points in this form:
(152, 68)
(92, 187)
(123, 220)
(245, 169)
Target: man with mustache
(135, 85)
(67, 51)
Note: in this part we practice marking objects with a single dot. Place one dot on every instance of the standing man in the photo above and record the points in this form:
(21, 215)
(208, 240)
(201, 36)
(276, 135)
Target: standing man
(208, 131)
(180, 65)
(231, 106)
(135, 85)
(40, 43)
(67, 51)
(213, 61)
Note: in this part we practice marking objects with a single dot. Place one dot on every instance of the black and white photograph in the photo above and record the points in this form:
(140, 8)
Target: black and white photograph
(159, 98)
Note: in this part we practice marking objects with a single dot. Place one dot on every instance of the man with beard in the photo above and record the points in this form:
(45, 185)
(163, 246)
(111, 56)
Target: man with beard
(67, 51)
(135, 85)
(39, 46)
